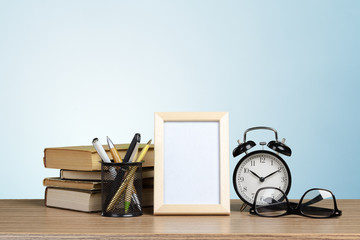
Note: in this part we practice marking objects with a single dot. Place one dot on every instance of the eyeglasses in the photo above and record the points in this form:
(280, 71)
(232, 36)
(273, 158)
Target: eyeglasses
(315, 203)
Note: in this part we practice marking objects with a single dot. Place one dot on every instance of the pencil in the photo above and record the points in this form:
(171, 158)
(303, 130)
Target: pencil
(143, 151)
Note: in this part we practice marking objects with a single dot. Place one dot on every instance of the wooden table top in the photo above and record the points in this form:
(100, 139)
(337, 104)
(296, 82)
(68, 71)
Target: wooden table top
(31, 219)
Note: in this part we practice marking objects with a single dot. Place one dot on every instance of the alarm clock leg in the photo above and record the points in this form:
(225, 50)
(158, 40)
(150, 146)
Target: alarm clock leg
(243, 206)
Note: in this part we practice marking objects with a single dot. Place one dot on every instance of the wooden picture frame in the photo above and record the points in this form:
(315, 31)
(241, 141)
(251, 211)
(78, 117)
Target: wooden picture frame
(191, 163)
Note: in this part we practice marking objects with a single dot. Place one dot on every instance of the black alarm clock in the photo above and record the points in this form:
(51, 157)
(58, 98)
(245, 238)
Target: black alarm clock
(260, 168)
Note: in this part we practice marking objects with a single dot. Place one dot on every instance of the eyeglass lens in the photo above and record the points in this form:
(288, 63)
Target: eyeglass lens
(318, 203)
(271, 202)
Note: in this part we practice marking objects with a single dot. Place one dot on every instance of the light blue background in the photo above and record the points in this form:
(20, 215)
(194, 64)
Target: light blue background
(74, 70)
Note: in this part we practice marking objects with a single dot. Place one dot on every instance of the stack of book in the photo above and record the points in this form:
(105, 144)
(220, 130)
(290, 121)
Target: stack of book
(79, 185)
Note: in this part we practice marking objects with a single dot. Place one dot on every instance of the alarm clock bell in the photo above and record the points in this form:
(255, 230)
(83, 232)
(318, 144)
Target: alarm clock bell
(275, 145)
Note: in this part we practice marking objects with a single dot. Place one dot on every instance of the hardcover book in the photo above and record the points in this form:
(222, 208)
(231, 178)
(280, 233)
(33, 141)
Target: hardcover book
(79, 200)
(74, 184)
(86, 158)
(147, 172)
(85, 200)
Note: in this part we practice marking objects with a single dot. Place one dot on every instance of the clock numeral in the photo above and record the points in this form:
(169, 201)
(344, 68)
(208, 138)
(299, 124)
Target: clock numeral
(244, 189)
(282, 179)
(241, 179)
(272, 162)
(246, 170)
(252, 195)
(262, 160)
(252, 163)
(279, 169)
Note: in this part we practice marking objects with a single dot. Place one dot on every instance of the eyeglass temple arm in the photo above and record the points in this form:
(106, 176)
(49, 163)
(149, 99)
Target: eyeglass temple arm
(280, 204)
(316, 199)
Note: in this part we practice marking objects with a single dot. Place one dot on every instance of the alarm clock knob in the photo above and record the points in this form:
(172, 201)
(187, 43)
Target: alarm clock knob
(280, 147)
(243, 147)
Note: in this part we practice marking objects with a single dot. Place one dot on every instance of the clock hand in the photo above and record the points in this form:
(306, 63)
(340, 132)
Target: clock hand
(271, 174)
(260, 178)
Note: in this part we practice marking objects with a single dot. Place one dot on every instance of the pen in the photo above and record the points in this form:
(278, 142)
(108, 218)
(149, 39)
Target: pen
(113, 151)
(135, 198)
(135, 140)
(134, 153)
(129, 176)
(101, 151)
(128, 194)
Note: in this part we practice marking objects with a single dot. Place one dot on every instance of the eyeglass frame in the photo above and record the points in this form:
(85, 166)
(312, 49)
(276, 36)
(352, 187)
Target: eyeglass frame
(295, 210)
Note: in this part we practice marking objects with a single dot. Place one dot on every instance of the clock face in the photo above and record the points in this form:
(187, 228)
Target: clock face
(260, 169)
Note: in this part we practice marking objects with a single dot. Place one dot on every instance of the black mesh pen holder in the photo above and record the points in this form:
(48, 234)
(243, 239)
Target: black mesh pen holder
(121, 189)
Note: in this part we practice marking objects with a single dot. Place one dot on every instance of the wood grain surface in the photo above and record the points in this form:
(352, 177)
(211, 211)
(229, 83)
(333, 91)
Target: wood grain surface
(30, 219)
